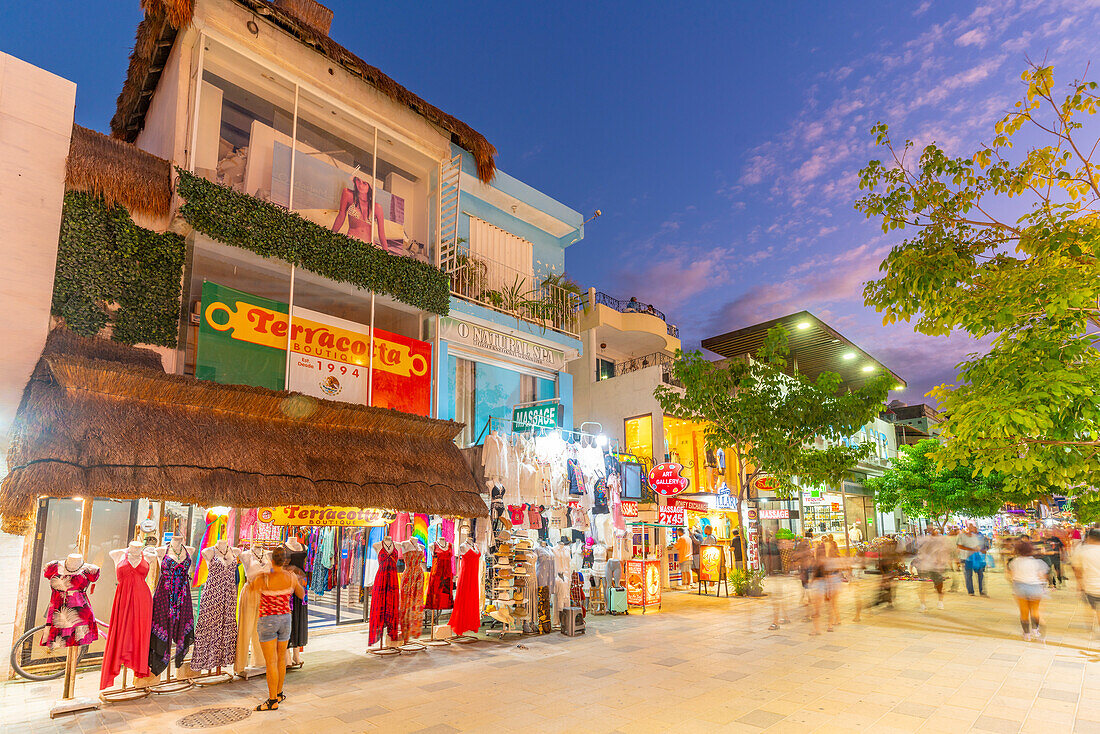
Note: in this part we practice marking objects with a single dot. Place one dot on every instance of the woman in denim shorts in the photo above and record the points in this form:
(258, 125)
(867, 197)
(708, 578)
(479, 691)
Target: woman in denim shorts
(273, 626)
(1028, 575)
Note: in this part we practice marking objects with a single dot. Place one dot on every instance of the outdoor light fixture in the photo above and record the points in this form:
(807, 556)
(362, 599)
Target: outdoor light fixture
(220, 511)
(803, 325)
(848, 355)
(899, 388)
(868, 368)
(601, 440)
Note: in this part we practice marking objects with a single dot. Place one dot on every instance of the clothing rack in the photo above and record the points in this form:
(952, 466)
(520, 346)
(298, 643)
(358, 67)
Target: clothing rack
(507, 423)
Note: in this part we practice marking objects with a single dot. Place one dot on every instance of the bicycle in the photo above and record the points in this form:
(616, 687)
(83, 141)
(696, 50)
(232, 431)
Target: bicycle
(22, 655)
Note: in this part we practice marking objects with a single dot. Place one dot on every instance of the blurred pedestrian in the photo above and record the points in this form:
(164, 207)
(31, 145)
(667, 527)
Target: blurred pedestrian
(972, 546)
(931, 561)
(782, 590)
(1028, 576)
(1056, 549)
(819, 585)
(1086, 568)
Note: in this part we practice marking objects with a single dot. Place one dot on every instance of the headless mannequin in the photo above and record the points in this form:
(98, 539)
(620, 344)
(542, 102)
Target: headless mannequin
(133, 553)
(389, 546)
(255, 561)
(176, 550)
(294, 546)
(221, 552)
(562, 567)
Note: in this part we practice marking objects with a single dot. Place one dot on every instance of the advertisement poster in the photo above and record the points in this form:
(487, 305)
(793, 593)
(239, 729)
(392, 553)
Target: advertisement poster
(243, 338)
(643, 583)
(712, 563)
(230, 350)
(670, 516)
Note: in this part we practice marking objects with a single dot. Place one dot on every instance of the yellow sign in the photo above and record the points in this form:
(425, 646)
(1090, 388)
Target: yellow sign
(347, 517)
(258, 325)
(712, 563)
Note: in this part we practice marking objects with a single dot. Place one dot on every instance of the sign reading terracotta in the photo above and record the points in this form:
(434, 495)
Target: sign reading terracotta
(665, 479)
(316, 516)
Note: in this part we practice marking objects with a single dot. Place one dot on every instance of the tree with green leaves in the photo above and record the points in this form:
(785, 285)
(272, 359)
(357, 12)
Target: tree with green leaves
(1004, 246)
(917, 485)
(770, 419)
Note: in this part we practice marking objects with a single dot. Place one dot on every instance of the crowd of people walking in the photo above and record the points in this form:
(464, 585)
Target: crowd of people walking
(939, 562)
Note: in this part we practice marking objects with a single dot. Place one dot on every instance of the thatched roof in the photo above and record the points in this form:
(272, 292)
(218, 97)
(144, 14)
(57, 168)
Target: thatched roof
(119, 172)
(157, 32)
(101, 419)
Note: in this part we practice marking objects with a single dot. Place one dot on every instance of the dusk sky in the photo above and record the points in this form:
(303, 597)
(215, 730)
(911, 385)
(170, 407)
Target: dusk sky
(720, 140)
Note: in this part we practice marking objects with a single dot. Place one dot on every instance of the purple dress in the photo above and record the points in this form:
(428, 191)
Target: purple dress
(173, 614)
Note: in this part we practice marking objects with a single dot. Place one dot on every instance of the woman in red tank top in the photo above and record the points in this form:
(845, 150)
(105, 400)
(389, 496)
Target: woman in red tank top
(273, 625)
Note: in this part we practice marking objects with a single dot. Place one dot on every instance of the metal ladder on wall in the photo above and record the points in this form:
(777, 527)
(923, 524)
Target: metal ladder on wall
(450, 177)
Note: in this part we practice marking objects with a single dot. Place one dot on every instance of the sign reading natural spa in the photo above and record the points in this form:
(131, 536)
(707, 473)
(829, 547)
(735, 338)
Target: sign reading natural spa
(243, 341)
(665, 479)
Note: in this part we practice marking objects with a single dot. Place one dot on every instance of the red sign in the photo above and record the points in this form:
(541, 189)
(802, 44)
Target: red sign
(670, 515)
(693, 505)
(764, 484)
(665, 479)
(629, 508)
(643, 583)
(779, 514)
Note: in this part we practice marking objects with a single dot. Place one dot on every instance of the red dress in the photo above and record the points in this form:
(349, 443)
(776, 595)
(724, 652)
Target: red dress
(70, 614)
(412, 595)
(131, 623)
(441, 581)
(466, 615)
(385, 598)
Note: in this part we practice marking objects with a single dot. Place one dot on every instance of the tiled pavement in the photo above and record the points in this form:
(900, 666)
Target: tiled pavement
(701, 664)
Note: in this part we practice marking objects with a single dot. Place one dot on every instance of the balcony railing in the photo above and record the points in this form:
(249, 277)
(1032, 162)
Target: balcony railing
(636, 307)
(526, 296)
(640, 363)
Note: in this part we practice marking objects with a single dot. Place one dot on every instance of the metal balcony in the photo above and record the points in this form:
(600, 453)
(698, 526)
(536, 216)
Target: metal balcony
(536, 299)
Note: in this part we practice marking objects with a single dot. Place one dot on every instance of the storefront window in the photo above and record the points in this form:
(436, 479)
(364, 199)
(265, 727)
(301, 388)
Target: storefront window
(245, 111)
(686, 441)
(825, 515)
(605, 369)
(639, 437)
(484, 390)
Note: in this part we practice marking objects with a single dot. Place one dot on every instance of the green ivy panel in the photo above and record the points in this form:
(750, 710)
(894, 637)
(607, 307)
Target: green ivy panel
(271, 231)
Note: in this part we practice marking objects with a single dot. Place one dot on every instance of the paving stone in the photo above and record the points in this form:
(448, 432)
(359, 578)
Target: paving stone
(1006, 658)
(998, 726)
(729, 675)
(599, 672)
(1053, 694)
(831, 648)
(351, 717)
(670, 662)
(830, 664)
(439, 685)
(915, 674)
(908, 708)
(761, 718)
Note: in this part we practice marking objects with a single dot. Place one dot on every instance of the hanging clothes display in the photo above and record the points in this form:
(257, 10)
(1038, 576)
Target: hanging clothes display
(412, 594)
(466, 615)
(385, 602)
(299, 610)
(216, 632)
(173, 614)
(441, 581)
(70, 612)
(131, 623)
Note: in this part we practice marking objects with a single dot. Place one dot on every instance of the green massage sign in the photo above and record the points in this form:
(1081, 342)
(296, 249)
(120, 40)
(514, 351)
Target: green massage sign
(532, 417)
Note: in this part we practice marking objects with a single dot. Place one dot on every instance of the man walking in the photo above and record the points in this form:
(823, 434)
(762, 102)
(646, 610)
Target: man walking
(1086, 567)
(682, 547)
(972, 545)
(933, 556)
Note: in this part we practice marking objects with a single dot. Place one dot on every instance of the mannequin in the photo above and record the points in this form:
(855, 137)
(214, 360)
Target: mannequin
(131, 614)
(385, 603)
(412, 591)
(466, 615)
(173, 612)
(255, 560)
(562, 568)
(216, 631)
(70, 612)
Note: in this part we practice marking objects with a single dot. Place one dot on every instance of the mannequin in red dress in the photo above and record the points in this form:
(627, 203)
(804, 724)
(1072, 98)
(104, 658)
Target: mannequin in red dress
(466, 616)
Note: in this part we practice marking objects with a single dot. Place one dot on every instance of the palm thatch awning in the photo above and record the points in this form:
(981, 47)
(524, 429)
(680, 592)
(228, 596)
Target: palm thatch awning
(118, 172)
(101, 419)
(157, 33)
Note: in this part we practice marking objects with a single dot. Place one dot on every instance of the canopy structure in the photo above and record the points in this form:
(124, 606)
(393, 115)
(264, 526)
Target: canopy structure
(100, 419)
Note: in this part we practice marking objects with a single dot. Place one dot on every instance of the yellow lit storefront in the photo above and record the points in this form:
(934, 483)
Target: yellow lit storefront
(686, 445)
(639, 438)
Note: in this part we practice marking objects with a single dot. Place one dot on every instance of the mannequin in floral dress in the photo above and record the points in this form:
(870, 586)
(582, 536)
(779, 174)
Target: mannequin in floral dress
(385, 599)
(173, 610)
(70, 614)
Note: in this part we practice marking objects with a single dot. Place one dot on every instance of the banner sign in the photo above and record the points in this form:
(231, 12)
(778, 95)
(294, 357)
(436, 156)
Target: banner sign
(497, 342)
(547, 415)
(693, 505)
(665, 479)
(629, 508)
(725, 500)
(752, 545)
(764, 483)
(347, 517)
(670, 516)
(776, 514)
(243, 339)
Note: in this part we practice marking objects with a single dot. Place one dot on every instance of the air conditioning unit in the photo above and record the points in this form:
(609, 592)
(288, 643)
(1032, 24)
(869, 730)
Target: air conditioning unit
(572, 621)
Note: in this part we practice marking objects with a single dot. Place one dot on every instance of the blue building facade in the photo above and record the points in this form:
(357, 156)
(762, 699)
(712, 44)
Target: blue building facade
(512, 326)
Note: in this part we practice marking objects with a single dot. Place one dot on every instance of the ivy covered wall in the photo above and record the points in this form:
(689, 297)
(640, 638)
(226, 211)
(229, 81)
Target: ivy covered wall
(104, 260)
(270, 231)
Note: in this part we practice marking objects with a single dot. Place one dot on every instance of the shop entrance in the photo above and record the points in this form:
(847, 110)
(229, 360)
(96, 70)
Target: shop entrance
(861, 510)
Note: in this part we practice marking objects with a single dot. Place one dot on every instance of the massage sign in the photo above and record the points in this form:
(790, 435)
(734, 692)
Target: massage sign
(243, 340)
(665, 479)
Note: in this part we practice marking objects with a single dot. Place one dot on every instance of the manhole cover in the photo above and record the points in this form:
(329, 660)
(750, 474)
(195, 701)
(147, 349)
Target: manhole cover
(209, 718)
